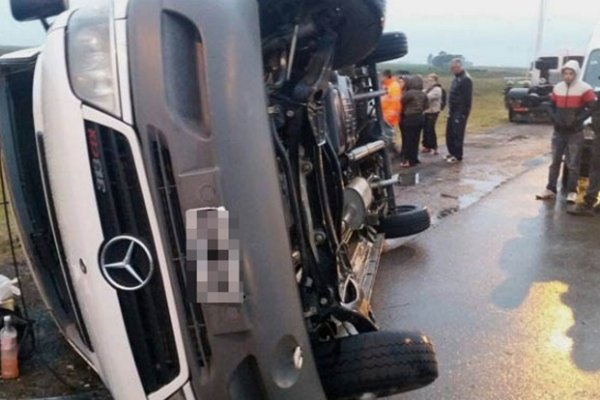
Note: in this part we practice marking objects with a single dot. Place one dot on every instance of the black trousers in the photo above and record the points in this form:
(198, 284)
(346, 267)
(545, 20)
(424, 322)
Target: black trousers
(455, 134)
(411, 127)
(429, 134)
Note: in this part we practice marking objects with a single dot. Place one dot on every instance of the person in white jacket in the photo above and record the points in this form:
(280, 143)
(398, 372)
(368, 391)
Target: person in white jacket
(571, 104)
(434, 94)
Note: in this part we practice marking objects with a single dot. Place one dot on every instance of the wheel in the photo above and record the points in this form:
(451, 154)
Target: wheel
(405, 221)
(391, 46)
(381, 363)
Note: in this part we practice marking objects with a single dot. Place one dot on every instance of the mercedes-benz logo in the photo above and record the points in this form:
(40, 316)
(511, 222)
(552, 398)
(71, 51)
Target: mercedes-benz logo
(126, 263)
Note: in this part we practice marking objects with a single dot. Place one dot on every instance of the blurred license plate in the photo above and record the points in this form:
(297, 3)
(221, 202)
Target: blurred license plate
(212, 257)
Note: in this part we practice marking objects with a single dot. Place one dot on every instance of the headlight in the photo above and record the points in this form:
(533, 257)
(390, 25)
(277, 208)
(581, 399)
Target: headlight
(91, 56)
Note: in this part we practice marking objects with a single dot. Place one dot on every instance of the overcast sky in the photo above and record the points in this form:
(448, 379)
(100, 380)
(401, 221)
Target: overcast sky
(487, 32)
(499, 32)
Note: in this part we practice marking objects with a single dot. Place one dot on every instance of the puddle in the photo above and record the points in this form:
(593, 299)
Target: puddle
(535, 162)
(473, 190)
(480, 189)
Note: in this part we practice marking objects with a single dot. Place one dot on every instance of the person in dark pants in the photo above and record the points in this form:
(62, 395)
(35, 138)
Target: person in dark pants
(434, 94)
(414, 104)
(460, 100)
(571, 102)
(590, 201)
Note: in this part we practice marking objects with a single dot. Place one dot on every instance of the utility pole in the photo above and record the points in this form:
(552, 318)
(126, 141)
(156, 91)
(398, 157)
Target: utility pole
(540, 33)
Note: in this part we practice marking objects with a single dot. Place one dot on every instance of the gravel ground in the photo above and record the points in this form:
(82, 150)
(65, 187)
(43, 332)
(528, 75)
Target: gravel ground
(53, 369)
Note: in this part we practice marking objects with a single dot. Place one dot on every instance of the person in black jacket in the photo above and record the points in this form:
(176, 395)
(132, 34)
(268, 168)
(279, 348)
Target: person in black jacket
(590, 201)
(414, 104)
(460, 100)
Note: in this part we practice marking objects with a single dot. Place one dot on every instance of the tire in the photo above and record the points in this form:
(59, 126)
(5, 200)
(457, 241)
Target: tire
(391, 46)
(403, 221)
(382, 363)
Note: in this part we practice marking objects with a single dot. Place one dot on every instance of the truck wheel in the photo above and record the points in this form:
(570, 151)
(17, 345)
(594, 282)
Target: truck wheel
(381, 363)
(391, 46)
(404, 221)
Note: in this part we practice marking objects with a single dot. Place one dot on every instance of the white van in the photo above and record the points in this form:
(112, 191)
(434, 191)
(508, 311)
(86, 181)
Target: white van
(591, 70)
(590, 74)
(137, 121)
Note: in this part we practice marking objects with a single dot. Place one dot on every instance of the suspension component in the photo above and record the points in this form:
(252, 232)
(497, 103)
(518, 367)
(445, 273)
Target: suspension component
(361, 152)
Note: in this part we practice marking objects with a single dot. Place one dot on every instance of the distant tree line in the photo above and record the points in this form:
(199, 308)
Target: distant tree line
(442, 60)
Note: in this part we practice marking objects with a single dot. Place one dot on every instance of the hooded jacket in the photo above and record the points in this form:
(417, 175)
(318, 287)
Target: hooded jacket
(414, 101)
(571, 102)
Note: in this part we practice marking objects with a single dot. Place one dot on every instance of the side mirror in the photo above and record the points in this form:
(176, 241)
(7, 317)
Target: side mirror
(28, 10)
(391, 46)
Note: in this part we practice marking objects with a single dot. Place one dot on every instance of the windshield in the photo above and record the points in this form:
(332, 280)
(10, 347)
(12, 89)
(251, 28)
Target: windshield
(551, 62)
(579, 59)
(592, 71)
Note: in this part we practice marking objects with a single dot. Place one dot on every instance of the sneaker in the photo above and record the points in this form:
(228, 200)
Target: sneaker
(572, 198)
(447, 156)
(452, 160)
(582, 209)
(546, 195)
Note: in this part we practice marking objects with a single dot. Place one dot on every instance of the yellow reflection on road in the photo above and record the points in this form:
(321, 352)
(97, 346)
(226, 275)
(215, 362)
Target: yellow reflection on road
(561, 319)
(553, 318)
(548, 348)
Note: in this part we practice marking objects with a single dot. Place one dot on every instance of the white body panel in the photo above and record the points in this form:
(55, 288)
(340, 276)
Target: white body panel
(59, 118)
(593, 63)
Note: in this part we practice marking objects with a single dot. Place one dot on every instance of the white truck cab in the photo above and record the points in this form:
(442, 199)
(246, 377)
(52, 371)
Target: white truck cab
(553, 62)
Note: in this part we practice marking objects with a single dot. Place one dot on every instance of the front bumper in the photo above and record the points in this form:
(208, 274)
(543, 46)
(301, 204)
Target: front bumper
(201, 116)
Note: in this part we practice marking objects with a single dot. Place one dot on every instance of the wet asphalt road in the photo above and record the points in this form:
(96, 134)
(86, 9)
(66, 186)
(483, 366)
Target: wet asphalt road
(509, 291)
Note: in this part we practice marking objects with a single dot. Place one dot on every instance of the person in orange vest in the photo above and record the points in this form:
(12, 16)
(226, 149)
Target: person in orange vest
(392, 105)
